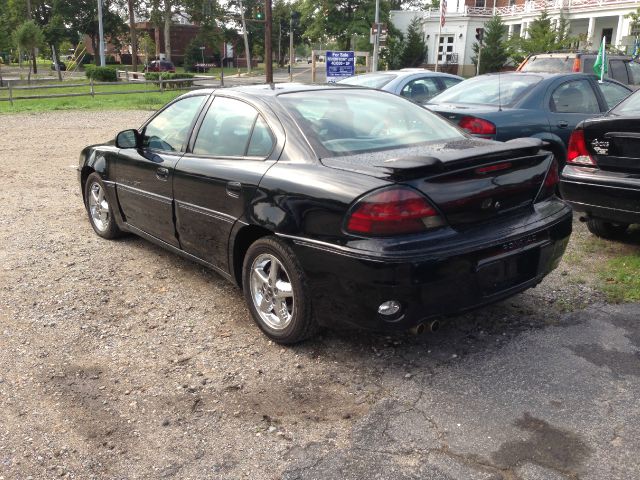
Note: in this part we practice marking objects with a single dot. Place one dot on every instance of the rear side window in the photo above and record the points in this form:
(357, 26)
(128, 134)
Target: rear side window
(420, 90)
(548, 64)
(228, 130)
(371, 80)
(450, 82)
(634, 73)
(504, 89)
(574, 97)
(618, 71)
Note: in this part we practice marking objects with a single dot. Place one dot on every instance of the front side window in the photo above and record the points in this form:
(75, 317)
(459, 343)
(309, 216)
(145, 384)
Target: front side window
(169, 130)
(629, 106)
(574, 97)
(343, 121)
(634, 73)
(232, 128)
(613, 93)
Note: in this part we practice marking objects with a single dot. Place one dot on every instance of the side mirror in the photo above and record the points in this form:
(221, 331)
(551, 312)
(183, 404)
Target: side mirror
(128, 139)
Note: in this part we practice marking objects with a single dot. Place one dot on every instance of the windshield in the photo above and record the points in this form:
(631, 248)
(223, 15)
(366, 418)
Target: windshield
(492, 89)
(629, 106)
(549, 64)
(371, 80)
(345, 121)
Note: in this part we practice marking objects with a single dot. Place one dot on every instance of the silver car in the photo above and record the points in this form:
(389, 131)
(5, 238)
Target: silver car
(416, 84)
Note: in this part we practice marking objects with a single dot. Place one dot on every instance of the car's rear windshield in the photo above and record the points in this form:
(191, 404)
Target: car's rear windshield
(371, 80)
(345, 121)
(558, 64)
(629, 106)
(504, 89)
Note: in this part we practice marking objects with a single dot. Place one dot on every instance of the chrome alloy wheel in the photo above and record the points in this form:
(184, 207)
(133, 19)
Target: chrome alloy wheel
(272, 292)
(98, 207)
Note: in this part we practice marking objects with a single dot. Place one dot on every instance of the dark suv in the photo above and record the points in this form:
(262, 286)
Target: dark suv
(621, 67)
(160, 66)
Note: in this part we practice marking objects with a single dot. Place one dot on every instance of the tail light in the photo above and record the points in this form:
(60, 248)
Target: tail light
(477, 126)
(550, 182)
(577, 153)
(576, 65)
(392, 211)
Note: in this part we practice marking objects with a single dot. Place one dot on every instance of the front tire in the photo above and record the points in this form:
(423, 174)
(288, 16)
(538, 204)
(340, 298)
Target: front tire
(276, 292)
(98, 208)
(607, 230)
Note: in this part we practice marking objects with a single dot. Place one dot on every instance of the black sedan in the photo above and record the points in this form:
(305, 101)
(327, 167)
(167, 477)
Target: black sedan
(602, 175)
(332, 206)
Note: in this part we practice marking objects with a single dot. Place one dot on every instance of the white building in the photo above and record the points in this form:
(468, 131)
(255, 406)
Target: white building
(589, 20)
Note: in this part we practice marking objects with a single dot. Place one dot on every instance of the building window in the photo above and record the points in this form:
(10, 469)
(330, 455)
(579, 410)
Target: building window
(480, 3)
(608, 34)
(445, 49)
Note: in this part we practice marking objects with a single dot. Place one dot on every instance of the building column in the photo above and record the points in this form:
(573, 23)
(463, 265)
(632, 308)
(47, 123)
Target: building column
(592, 25)
(510, 31)
(621, 30)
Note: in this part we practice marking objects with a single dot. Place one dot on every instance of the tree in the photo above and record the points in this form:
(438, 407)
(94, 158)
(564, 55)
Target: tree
(147, 46)
(542, 36)
(415, 48)
(494, 53)
(133, 35)
(28, 36)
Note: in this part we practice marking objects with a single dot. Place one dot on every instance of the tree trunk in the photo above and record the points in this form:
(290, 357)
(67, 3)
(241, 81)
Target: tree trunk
(134, 37)
(33, 56)
(167, 29)
(96, 49)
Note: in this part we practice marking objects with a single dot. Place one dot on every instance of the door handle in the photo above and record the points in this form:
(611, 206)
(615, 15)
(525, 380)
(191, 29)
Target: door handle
(234, 189)
(563, 124)
(162, 173)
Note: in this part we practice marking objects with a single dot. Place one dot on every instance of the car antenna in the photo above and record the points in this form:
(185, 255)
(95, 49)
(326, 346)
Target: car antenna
(499, 94)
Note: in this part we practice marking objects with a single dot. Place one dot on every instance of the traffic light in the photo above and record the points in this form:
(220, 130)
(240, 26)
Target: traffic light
(479, 35)
(258, 14)
(295, 17)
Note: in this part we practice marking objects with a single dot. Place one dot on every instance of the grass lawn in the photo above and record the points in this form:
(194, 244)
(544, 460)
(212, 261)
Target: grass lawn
(141, 101)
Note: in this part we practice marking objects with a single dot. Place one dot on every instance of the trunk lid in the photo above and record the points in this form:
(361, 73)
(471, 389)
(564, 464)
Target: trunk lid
(468, 180)
(614, 143)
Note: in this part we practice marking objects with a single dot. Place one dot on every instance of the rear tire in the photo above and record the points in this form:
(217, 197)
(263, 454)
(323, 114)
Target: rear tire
(276, 292)
(608, 230)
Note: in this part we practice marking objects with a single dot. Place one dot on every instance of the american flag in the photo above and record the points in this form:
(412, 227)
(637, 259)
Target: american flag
(443, 9)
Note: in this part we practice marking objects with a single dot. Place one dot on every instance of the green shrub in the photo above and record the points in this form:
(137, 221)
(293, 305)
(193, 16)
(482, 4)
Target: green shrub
(186, 79)
(101, 74)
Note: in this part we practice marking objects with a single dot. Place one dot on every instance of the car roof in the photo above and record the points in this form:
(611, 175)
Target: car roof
(273, 89)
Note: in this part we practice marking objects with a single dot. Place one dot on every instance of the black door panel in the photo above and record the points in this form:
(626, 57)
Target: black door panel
(615, 143)
(146, 198)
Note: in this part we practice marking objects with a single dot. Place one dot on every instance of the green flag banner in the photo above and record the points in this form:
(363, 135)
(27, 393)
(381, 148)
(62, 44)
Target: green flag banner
(600, 65)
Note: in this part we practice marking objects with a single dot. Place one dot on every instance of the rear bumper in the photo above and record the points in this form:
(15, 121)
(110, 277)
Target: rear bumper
(347, 289)
(611, 196)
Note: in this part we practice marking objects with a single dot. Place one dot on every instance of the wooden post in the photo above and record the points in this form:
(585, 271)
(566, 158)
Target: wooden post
(126, 74)
(161, 89)
(10, 92)
(91, 87)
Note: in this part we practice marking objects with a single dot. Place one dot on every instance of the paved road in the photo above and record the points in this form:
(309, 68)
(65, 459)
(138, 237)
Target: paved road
(558, 403)
(301, 73)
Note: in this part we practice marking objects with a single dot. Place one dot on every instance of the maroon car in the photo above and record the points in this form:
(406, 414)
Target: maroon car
(160, 66)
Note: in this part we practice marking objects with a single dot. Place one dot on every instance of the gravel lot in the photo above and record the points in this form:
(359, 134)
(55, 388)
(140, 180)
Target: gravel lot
(121, 360)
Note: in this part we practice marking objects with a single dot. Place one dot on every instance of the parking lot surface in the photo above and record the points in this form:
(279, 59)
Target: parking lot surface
(121, 360)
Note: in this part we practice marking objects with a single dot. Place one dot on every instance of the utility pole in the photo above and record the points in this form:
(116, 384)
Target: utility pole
(268, 60)
(376, 38)
(101, 34)
(291, 48)
(134, 36)
(247, 53)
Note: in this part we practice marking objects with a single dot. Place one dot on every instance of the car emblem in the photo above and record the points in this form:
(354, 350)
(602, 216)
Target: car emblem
(601, 147)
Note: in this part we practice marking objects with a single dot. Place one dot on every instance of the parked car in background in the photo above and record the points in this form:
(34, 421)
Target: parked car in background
(332, 206)
(416, 84)
(160, 66)
(602, 175)
(61, 65)
(621, 68)
(541, 105)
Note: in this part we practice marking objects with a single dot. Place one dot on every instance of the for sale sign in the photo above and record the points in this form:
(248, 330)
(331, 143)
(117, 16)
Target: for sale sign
(340, 65)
